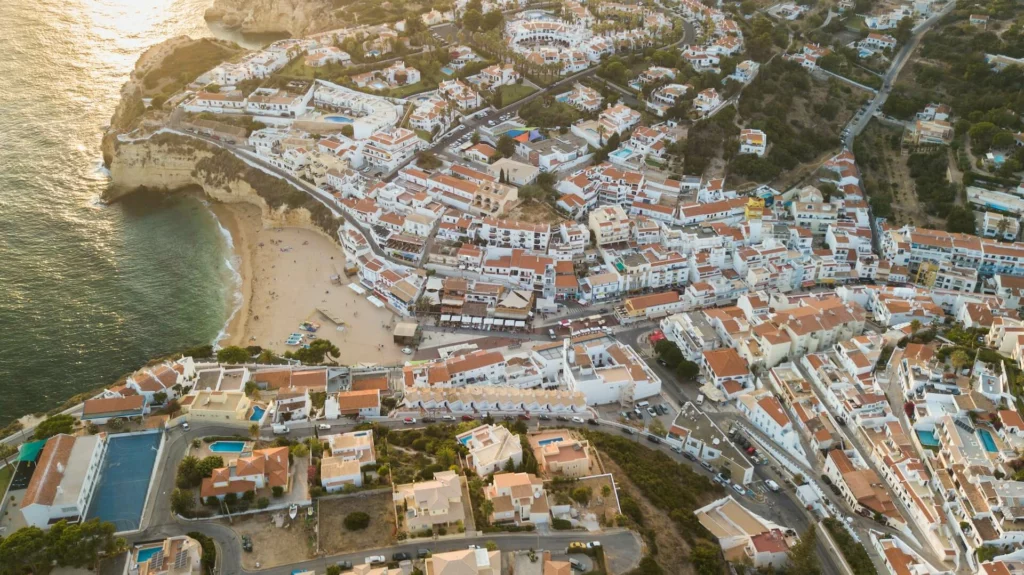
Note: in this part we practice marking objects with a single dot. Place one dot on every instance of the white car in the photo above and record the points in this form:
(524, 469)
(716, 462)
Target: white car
(185, 426)
(323, 427)
(374, 559)
(577, 419)
(407, 350)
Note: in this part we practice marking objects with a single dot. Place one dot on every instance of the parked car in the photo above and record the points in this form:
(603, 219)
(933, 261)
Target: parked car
(739, 489)
(409, 420)
(772, 485)
(345, 565)
(467, 418)
(627, 430)
(185, 426)
(401, 556)
(561, 418)
(689, 456)
(544, 417)
(323, 427)
(653, 439)
(651, 412)
(577, 419)
(524, 417)
(428, 420)
(448, 417)
(576, 546)
(422, 553)
(508, 418)
(576, 565)
(663, 408)
(375, 559)
(593, 545)
(706, 465)
(592, 421)
(720, 479)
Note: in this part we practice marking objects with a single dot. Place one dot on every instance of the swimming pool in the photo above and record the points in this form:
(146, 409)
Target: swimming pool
(927, 438)
(987, 441)
(145, 554)
(622, 153)
(257, 413)
(465, 440)
(447, 71)
(547, 441)
(338, 119)
(227, 446)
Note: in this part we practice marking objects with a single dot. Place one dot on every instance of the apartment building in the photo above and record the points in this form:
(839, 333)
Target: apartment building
(727, 371)
(606, 371)
(860, 486)
(746, 538)
(514, 234)
(610, 225)
(695, 433)
(389, 148)
(766, 413)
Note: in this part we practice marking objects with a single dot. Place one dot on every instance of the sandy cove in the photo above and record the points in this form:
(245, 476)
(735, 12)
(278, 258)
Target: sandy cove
(286, 277)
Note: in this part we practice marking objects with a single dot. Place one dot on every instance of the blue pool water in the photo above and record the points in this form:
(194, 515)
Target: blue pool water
(464, 440)
(547, 441)
(987, 441)
(124, 480)
(927, 439)
(338, 119)
(227, 446)
(257, 413)
(622, 153)
(145, 554)
(562, 98)
(447, 71)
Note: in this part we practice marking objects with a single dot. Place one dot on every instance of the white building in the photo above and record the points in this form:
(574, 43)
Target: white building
(491, 447)
(64, 480)
(606, 371)
(390, 147)
(753, 142)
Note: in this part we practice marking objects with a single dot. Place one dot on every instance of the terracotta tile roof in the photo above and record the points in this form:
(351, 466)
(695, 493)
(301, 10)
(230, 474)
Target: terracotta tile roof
(726, 363)
(113, 405)
(349, 401)
(42, 489)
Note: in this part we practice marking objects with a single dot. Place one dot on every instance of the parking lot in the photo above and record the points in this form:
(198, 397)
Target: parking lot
(642, 415)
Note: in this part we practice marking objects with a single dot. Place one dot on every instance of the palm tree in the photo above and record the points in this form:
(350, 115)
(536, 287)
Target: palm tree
(254, 431)
(915, 325)
(6, 451)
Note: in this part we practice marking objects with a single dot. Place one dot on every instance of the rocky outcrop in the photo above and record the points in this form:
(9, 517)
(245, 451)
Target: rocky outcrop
(296, 17)
(169, 162)
(131, 108)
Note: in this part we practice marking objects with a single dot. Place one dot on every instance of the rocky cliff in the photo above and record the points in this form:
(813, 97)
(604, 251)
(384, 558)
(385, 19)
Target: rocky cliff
(296, 17)
(169, 162)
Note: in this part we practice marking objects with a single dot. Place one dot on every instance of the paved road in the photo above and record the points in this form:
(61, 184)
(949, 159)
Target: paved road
(858, 124)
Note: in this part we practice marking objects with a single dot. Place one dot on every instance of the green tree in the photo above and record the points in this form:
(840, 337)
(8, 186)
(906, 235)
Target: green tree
(582, 494)
(25, 550)
(471, 20)
(657, 428)
(254, 431)
(706, 558)
(52, 426)
(6, 452)
(208, 464)
(316, 354)
(357, 521)
(188, 472)
(299, 450)
(960, 359)
(802, 557)
(233, 355)
(428, 160)
(687, 369)
(506, 146)
(960, 220)
(904, 29)
(182, 501)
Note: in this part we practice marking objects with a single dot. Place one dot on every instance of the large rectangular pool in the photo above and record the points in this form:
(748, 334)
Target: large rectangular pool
(987, 441)
(124, 480)
(227, 446)
(145, 553)
(550, 440)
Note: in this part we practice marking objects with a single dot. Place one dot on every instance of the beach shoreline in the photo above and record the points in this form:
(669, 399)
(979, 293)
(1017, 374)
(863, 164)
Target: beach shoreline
(291, 275)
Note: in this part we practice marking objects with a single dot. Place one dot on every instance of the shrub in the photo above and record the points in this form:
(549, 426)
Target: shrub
(356, 521)
(262, 503)
(209, 559)
(854, 553)
(278, 491)
(561, 524)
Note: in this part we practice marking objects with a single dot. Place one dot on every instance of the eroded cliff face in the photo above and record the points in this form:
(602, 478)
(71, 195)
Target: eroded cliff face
(296, 17)
(168, 163)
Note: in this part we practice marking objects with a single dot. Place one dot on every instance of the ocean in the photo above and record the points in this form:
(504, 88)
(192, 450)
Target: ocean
(89, 292)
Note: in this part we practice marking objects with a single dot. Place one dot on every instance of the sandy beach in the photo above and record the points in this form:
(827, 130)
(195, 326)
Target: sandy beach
(286, 278)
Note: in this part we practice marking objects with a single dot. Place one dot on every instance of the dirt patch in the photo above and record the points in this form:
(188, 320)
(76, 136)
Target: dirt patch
(535, 212)
(884, 170)
(293, 542)
(335, 539)
(673, 551)
(600, 505)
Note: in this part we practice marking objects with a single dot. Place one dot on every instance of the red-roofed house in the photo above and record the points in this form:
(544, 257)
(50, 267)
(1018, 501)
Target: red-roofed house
(264, 468)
